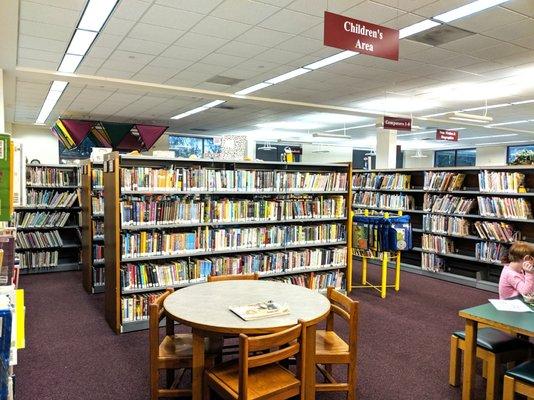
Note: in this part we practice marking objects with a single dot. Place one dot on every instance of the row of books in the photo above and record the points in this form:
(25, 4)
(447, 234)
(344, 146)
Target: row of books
(51, 198)
(98, 252)
(98, 227)
(40, 259)
(38, 239)
(444, 224)
(97, 177)
(204, 179)
(41, 219)
(497, 231)
(148, 243)
(447, 204)
(315, 281)
(382, 200)
(443, 181)
(98, 204)
(141, 276)
(432, 262)
(161, 210)
(50, 176)
(439, 244)
(490, 251)
(381, 181)
(99, 276)
(504, 207)
(135, 307)
(491, 181)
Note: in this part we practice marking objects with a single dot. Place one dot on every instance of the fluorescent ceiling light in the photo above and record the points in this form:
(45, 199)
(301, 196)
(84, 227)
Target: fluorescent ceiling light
(214, 103)
(288, 125)
(95, 14)
(50, 101)
(253, 88)
(487, 107)
(398, 104)
(331, 118)
(468, 9)
(435, 115)
(459, 116)
(515, 103)
(351, 127)
(331, 135)
(507, 123)
(488, 137)
(416, 133)
(69, 63)
(199, 109)
(416, 28)
(58, 86)
(331, 60)
(81, 41)
(288, 75)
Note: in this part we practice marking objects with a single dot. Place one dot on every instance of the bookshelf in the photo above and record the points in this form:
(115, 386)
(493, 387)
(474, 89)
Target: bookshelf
(173, 221)
(92, 226)
(463, 218)
(48, 226)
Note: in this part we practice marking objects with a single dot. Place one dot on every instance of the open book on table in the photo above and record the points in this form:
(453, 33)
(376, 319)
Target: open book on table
(263, 309)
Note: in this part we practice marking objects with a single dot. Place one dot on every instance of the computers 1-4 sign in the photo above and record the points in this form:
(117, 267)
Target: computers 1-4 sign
(360, 36)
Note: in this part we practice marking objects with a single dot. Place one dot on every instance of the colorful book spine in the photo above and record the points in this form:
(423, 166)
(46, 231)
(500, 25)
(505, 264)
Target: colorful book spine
(432, 262)
(447, 225)
(447, 204)
(97, 178)
(443, 181)
(493, 230)
(373, 180)
(41, 219)
(492, 181)
(438, 244)
(38, 239)
(50, 176)
(135, 307)
(37, 260)
(505, 207)
(490, 251)
(383, 200)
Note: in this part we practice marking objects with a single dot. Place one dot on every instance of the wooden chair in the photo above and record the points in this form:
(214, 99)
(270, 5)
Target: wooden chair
(519, 380)
(332, 349)
(174, 352)
(258, 374)
(494, 348)
(240, 277)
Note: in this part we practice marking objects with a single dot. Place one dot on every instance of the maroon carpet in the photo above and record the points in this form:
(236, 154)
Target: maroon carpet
(72, 354)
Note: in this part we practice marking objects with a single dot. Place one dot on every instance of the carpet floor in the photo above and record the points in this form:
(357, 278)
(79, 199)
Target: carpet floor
(72, 354)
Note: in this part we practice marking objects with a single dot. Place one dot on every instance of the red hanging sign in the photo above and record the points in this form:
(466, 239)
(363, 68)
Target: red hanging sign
(445, 134)
(399, 124)
(363, 37)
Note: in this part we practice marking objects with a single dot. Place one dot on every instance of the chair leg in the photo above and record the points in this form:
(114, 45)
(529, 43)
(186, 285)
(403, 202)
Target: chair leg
(508, 388)
(492, 382)
(484, 369)
(154, 383)
(169, 377)
(352, 377)
(454, 363)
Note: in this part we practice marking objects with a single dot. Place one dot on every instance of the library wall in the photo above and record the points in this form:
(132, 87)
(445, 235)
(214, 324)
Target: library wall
(335, 154)
(411, 162)
(38, 143)
(492, 155)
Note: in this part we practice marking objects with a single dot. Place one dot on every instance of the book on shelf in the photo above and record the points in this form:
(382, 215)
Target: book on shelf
(493, 181)
(443, 224)
(51, 176)
(38, 239)
(373, 180)
(136, 244)
(51, 198)
(145, 210)
(383, 200)
(206, 179)
(447, 204)
(99, 275)
(432, 262)
(98, 252)
(98, 204)
(37, 260)
(97, 177)
(504, 207)
(98, 227)
(7, 245)
(41, 219)
(490, 251)
(316, 281)
(494, 230)
(438, 244)
(443, 181)
(135, 307)
(260, 310)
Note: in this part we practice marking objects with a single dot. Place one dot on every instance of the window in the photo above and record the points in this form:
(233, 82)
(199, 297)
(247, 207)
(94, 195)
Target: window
(520, 154)
(186, 146)
(455, 158)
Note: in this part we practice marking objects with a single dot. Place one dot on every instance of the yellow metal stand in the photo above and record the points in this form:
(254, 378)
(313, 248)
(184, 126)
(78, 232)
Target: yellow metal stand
(385, 259)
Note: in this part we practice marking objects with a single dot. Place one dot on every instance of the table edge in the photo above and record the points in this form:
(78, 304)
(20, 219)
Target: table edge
(468, 316)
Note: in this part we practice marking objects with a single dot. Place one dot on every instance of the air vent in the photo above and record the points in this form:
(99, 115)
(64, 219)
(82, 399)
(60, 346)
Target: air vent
(441, 34)
(224, 80)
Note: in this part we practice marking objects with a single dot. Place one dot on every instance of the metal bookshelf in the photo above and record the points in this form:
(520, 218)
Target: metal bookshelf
(461, 266)
(69, 252)
(114, 163)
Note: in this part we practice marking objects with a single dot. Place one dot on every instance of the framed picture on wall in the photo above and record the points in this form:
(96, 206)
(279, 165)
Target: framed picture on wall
(518, 155)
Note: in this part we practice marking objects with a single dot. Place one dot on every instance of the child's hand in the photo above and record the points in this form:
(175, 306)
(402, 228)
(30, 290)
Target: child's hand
(528, 267)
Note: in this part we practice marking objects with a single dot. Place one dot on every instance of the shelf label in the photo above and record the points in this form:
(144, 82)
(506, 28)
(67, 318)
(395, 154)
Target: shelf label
(399, 124)
(363, 37)
(446, 134)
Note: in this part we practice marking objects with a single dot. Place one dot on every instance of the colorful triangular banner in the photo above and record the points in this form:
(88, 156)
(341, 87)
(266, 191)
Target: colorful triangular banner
(150, 134)
(129, 142)
(77, 129)
(116, 131)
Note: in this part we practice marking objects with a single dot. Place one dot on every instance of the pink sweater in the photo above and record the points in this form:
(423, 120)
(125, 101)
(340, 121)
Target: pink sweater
(512, 283)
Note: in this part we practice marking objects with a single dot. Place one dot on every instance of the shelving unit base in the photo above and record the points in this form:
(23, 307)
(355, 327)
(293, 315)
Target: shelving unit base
(59, 268)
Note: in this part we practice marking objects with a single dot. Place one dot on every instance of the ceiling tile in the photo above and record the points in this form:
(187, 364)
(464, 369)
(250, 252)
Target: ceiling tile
(278, 56)
(48, 31)
(488, 19)
(40, 55)
(499, 51)
(406, 5)
(223, 60)
(154, 33)
(527, 41)
(76, 5)
(171, 17)
(248, 12)
(155, 74)
(184, 53)
(36, 43)
(290, 21)
(173, 63)
(198, 41)
(198, 6)
(93, 61)
(372, 12)
(41, 64)
(142, 46)
(128, 67)
(525, 7)
(131, 9)
(220, 28)
(107, 40)
(440, 6)
(512, 31)
(301, 44)
(128, 57)
(263, 37)
(117, 26)
(48, 14)
(278, 3)
(471, 43)
(100, 52)
(240, 49)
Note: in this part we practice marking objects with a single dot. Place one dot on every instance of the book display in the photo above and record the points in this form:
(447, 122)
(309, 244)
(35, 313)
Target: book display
(48, 225)
(92, 226)
(464, 218)
(173, 222)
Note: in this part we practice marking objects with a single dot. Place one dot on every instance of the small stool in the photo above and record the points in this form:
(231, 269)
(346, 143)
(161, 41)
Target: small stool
(519, 380)
(494, 347)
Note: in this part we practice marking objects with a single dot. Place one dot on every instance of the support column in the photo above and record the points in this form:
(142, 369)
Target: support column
(2, 110)
(386, 148)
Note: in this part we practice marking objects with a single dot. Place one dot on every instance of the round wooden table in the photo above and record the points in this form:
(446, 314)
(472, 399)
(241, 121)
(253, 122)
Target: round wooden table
(205, 308)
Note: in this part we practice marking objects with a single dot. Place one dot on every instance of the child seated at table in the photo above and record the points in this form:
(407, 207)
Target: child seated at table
(517, 276)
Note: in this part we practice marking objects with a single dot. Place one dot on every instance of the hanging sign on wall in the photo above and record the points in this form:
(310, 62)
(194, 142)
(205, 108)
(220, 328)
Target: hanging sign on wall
(399, 124)
(446, 134)
(363, 37)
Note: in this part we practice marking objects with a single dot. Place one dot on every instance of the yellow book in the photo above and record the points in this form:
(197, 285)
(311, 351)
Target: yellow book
(20, 315)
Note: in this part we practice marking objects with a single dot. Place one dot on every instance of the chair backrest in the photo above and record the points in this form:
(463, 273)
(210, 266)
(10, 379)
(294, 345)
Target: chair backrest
(257, 351)
(156, 313)
(347, 309)
(235, 277)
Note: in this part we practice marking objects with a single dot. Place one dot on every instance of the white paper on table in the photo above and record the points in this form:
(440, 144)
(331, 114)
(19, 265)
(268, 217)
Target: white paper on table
(515, 305)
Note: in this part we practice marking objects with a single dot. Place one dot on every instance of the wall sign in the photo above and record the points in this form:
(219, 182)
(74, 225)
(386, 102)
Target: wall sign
(445, 134)
(399, 124)
(363, 37)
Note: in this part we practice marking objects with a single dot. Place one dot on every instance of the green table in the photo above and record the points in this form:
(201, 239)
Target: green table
(511, 322)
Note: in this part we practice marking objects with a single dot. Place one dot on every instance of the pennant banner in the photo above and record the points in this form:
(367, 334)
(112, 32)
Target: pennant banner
(129, 142)
(63, 135)
(78, 130)
(100, 137)
(150, 134)
(116, 132)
